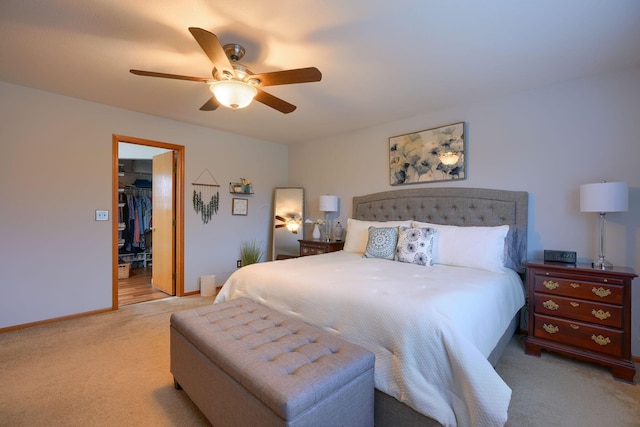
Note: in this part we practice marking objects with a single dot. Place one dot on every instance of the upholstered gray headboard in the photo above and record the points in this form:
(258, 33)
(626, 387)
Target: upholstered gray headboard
(453, 206)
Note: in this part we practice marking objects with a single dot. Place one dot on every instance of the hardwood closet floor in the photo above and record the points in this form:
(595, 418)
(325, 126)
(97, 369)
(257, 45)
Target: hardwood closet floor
(137, 288)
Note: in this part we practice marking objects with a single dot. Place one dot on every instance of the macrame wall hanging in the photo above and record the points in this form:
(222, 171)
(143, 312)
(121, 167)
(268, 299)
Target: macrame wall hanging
(206, 198)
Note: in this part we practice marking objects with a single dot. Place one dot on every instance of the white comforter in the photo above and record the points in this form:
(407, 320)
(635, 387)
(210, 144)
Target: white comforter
(431, 328)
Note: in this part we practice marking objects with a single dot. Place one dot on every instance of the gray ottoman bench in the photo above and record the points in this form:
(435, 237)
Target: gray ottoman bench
(244, 364)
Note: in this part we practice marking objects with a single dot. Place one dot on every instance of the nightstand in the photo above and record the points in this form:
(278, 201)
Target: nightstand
(316, 247)
(581, 312)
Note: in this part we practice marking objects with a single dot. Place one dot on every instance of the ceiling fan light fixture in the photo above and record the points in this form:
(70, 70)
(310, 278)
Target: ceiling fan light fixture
(233, 94)
(233, 84)
(293, 225)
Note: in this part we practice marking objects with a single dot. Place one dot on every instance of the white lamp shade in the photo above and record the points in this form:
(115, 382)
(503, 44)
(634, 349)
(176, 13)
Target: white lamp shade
(328, 203)
(232, 93)
(604, 197)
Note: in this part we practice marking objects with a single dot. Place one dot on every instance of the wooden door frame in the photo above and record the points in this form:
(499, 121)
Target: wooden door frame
(179, 210)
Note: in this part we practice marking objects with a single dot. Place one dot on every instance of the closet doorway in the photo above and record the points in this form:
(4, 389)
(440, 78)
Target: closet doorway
(147, 220)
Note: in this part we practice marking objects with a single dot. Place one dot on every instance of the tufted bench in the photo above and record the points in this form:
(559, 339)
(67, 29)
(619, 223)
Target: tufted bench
(244, 364)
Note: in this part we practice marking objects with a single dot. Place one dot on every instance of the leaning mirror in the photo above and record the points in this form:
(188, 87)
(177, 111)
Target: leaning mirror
(288, 214)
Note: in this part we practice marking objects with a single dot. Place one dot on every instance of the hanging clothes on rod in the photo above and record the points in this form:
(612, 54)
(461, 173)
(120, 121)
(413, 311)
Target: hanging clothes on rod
(138, 215)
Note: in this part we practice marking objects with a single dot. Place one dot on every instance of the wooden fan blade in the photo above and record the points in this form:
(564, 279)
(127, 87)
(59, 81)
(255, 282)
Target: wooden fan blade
(274, 102)
(211, 45)
(170, 76)
(210, 105)
(279, 218)
(300, 75)
(280, 225)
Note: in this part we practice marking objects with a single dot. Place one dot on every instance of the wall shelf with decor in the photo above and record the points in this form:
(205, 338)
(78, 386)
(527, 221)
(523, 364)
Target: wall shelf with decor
(243, 187)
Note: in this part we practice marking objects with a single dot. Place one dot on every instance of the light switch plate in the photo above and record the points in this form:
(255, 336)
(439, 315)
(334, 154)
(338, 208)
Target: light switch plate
(102, 215)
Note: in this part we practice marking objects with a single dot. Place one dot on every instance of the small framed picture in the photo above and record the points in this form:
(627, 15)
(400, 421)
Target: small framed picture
(239, 206)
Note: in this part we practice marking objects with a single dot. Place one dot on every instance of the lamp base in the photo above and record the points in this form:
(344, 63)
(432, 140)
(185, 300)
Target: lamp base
(327, 227)
(602, 264)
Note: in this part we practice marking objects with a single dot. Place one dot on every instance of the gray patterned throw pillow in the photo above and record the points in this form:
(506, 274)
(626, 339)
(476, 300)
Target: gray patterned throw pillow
(414, 245)
(382, 242)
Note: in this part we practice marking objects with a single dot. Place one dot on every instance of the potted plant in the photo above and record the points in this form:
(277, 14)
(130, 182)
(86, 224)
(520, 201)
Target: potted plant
(246, 185)
(250, 252)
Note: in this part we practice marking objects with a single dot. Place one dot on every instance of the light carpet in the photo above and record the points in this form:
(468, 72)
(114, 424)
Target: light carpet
(112, 369)
(553, 390)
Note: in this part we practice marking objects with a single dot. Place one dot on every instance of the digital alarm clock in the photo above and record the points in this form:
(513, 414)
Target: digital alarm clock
(560, 256)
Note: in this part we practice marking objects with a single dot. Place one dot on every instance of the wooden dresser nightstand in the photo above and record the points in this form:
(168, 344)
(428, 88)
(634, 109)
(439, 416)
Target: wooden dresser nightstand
(581, 312)
(316, 247)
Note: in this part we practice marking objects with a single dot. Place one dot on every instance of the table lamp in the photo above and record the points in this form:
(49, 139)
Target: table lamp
(328, 204)
(604, 197)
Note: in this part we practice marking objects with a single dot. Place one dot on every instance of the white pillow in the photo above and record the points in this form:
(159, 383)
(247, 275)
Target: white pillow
(358, 233)
(475, 247)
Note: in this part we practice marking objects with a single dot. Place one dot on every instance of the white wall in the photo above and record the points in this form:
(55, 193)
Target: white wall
(55, 171)
(546, 141)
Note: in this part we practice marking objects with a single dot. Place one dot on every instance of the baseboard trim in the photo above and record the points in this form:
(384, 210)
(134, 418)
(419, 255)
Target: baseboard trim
(187, 294)
(54, 320)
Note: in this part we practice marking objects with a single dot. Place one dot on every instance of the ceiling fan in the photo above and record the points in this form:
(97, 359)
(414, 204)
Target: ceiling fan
(292, 223)
(233, 84)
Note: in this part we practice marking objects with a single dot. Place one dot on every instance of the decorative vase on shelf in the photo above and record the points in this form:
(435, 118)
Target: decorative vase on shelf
(316, 232)
(338, 231)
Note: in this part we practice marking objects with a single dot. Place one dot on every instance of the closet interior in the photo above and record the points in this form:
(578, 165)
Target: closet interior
(135, 242)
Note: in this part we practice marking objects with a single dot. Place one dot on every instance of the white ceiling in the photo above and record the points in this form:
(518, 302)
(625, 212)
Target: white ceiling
(381, 60)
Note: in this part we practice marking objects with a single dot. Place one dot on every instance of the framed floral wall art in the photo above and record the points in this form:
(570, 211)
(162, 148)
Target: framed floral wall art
(239, 206)
(430, 155)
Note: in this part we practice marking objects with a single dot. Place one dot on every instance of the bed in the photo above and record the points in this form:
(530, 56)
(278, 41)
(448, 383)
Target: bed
(436, 330)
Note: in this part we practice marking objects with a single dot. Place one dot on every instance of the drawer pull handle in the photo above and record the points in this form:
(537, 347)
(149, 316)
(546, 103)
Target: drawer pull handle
(550, 305)
(600, 314)
(601, 340)
(574, 285)
(573, 326)
(574, 304)
(550, 328)
(550, 284)
(601, 292)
